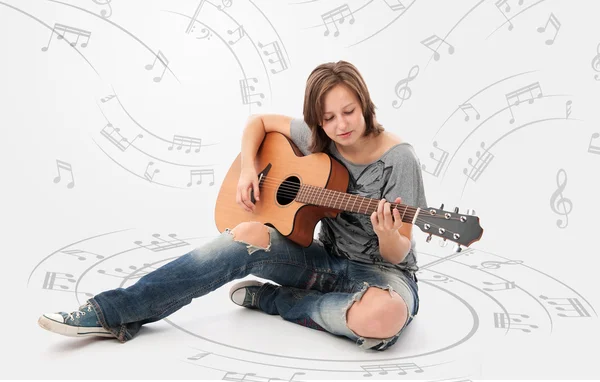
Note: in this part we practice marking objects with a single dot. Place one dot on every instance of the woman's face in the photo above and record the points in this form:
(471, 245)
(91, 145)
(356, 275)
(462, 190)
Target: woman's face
(343, 119)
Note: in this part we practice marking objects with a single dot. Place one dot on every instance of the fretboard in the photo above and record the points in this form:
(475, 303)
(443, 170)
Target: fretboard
(323, 197)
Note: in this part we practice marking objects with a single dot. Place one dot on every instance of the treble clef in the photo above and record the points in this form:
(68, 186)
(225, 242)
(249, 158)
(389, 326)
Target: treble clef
(596, 63)
(402, 90)
(558, 203)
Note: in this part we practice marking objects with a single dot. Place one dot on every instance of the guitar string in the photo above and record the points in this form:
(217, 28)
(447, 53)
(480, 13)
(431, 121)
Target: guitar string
(292, 192)
(419, 220)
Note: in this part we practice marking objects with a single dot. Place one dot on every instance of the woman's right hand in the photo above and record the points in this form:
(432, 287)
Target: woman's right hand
(248, 181)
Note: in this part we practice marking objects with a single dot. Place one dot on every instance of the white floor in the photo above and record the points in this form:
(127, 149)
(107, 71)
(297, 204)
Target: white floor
(459, 333)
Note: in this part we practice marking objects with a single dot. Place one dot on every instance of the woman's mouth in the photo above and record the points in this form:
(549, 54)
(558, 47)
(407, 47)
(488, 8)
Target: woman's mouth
(345, 135)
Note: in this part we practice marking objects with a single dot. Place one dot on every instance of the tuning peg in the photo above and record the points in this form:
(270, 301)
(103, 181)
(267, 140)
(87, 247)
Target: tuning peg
(429, 238)
(455, 210)
(457, 248)
(470, 212)
(443, 242)
(442, 206)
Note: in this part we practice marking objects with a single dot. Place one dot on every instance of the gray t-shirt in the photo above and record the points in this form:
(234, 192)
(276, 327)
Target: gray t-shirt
(397, 173)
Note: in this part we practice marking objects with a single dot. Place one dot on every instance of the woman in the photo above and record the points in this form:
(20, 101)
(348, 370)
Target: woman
(356, 280)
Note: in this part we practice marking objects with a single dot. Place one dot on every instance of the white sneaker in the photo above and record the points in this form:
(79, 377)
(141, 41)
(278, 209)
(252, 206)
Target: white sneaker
(80, 323)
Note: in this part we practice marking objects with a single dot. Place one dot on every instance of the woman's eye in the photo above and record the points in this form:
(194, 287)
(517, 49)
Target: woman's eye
(347, 112)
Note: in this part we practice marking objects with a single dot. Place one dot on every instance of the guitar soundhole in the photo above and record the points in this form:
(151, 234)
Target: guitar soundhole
(288, 190)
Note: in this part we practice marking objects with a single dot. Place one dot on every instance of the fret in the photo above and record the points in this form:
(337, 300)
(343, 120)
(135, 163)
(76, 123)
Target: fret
(405, 208)
(353, 203)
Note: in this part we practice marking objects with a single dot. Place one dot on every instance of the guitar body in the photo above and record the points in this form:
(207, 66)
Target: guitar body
(281, 161)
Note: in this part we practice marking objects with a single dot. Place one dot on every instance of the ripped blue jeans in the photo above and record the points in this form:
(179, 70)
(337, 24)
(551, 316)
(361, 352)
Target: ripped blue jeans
(316, 289)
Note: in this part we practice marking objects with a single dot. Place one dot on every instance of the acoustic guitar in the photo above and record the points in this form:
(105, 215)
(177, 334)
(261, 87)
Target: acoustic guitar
(297, 191)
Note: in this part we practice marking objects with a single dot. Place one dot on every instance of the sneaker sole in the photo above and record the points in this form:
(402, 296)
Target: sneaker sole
(242, 285)
(71, 331)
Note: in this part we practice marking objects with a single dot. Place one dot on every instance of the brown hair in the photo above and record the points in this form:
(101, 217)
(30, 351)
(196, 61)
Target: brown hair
(323, 78)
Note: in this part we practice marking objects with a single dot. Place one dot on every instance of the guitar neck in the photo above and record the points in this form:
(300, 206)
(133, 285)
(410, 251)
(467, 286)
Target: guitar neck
(323, 197)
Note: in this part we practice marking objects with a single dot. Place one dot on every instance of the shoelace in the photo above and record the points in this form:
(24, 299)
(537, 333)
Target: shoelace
(80, 312)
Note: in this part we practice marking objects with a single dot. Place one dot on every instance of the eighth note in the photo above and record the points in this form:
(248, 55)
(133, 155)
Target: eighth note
(66, 166)
(163, 60)
(558, 202)
(432, 40)
(554, 21)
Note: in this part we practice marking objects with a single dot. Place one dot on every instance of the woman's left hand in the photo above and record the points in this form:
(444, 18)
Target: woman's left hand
(383, 220)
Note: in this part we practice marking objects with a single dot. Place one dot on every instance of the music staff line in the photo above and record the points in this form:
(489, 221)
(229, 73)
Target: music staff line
(487, 294)
(257, 48)
(114, 95)
(509, 20)
(499, 139)
(508, 283)
(401, 368)
(451, 158)
(112, 23)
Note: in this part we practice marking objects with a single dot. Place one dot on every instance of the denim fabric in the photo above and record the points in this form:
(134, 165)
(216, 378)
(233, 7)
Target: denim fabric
(316, 289)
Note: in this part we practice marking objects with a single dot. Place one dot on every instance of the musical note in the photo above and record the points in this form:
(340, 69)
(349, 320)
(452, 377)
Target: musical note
(190, 142)
(573, 303)
(198, 356)
(434, 39)
(65, 166)
(496, 264)
(149, 176)
(558, 202)
(67, 29)
(395, 5)
(77, 253)
(163, 60)
(439, 162)
(505, 286)
(402, 90)
(245, 90)
(596, 63)
(277, 52)
(201, 173)
(507, 9)
(108, 131)
(501, 322)
(106, 99)
(157, 246)
(192, 25)
(241, 32)
(383, 369)
(555, 23)
(483, 160)
(251, 377)
(50, 282)
(568, 107)
(442, 279)
(104, 13)
(469, 106)
(338, 12)
(513, 98)
(591, 148)
(127, 275)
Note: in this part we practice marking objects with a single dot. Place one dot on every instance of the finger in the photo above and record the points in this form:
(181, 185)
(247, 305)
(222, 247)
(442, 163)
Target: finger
(397, 218)
(256, 190)
(245, 200)
(374, 219)
(387, 212)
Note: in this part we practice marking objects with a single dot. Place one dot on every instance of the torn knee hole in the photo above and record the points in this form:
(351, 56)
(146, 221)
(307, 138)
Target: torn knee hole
(253, 238)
